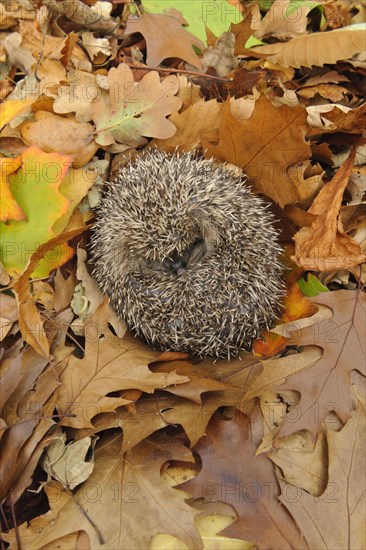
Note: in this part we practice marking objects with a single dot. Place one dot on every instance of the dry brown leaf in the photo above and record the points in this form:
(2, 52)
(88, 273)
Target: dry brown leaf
(92, 294)
(302, 463)
(51, 132)
(165, 37)
(201, 380)
(198, 122)
(71, 463)
(324, 246)
(325, 386)
(124, 501)
(352, 121)
(329, 91)
(244, 29)
(279, 22)
(30, 322)
(50, 46)
(232, 473)
(18, 55)
(79, 95)
(265, 146)
(8, 314)
(336, 519)
(23, 397)
(153, 413)
(316, 49)
(110, 364)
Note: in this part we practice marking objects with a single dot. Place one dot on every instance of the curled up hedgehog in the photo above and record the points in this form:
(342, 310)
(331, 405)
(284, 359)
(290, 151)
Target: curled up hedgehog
(188, 255)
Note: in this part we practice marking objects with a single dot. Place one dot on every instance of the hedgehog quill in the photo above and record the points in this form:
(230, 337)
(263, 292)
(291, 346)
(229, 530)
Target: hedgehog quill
(188, 255)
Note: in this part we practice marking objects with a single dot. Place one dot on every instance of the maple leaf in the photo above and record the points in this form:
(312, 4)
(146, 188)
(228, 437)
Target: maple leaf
(124, 502)
(325, 386)
(248, 484)
(336, 518)
(325, 246)
(165, 37)
(110, 364)
(135, 109)
(265, 146)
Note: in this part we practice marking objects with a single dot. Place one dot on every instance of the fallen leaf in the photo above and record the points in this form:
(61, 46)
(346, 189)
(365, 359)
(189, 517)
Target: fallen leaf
(67, 463)
(336, 518)
(325, 246)
(18, 55)
(248, 484)
(135, 109)
(352, 121)
(265, 146)
(35, 187)
(53, 133)
(201, 380)
(199, 15)
(8, 314)
(325, 386)
(284, 20)
(124, 499)
(30, 322)
(316, 49)
(302, 463)
(13, 108)
(10, 209)
(165, 37)
(199, 122)
(51, 47)
(312, 286)
(79, 95)
(110, 364)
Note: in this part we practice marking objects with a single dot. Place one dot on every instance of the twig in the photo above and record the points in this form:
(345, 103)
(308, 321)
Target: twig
(183, 71)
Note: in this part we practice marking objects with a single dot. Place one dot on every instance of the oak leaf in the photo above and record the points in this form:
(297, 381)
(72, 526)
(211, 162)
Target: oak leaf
(27, 382)
(124, 502)
(336, 519)
(265, 146)
(233, 474)
(325, 386)
(53, 133)
(165, 37)
(150, 414)
(135, 109)
(325, 246)
(200, 121)
(110, 364)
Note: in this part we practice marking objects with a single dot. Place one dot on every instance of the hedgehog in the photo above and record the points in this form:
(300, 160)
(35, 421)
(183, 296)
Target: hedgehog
(187, 254)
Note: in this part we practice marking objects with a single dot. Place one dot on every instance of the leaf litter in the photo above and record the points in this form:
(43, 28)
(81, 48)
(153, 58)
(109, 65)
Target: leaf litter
(105, 442)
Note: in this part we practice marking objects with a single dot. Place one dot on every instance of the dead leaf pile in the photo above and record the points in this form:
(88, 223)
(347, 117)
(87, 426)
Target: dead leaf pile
(105, 442)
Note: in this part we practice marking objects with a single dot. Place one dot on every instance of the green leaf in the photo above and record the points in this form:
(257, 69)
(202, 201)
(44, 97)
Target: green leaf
(216, 14)
(35, 187)
(311, 287)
